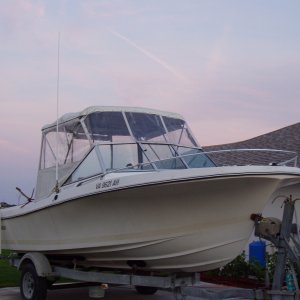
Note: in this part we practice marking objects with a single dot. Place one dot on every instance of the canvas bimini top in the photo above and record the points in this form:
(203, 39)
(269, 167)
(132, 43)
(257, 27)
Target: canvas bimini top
(69, 116)
(105, 138)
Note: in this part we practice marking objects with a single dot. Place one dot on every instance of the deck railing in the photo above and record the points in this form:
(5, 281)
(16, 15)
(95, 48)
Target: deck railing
(227, 157)
(215, 158)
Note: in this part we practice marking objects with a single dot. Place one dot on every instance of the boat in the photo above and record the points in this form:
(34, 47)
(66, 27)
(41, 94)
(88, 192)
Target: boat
(130, 188)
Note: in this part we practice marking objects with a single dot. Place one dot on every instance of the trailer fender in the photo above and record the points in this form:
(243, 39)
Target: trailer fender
(40, 262)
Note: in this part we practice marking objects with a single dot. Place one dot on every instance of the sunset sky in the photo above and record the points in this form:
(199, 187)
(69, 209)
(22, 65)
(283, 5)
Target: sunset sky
(230, 67)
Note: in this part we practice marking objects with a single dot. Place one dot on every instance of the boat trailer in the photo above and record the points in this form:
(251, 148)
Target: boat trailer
(36, 267)
(38, 272)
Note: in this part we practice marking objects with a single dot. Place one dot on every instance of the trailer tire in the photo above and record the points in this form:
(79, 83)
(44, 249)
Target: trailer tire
(32, 286)
(145, 290)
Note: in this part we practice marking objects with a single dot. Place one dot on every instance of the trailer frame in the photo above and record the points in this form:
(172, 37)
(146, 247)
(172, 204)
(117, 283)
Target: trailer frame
(39, 273)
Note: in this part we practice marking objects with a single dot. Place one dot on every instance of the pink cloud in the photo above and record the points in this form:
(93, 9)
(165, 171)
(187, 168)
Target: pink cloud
(17, 13)
(217, 57)
(108, 9)
(26, 6)
(210, 132)
(21, 8)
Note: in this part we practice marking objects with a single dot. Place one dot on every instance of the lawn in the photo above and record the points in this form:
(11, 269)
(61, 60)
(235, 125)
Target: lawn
(9, 276)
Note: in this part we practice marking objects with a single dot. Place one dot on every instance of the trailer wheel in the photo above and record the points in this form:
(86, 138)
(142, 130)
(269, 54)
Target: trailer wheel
(145, 290)
(32, 286)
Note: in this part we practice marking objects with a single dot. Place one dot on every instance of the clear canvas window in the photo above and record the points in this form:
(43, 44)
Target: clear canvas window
(146, 127)
(108, 127)
(178, 132)
(68, 145)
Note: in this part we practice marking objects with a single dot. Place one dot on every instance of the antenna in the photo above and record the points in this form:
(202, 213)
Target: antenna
(57, 114)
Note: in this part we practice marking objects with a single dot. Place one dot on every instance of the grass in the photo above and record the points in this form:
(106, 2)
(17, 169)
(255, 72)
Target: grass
(9, 276)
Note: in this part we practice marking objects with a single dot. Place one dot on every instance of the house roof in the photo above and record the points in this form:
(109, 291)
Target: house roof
(287, 138)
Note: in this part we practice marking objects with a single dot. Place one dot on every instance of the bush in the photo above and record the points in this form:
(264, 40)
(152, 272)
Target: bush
(241, 268)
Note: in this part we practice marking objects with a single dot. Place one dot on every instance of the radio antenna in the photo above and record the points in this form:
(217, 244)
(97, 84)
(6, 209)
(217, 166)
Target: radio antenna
(57, 114)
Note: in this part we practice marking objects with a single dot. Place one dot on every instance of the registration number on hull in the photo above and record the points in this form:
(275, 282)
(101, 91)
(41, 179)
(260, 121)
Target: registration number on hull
(107, 184)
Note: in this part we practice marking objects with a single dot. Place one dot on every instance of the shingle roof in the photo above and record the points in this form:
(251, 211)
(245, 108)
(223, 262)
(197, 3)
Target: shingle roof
(287, 138)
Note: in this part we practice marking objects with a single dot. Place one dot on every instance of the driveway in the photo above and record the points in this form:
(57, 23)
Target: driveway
(203, 291)
(114, 293)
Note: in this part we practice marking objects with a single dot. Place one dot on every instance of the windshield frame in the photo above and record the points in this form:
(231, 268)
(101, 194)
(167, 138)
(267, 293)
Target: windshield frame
(170, 155)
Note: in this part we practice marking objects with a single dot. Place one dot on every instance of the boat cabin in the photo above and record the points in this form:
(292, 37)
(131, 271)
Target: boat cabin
(99, 140)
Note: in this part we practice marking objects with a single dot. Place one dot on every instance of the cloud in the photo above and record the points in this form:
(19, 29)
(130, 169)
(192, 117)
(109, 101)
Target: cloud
(108, 9)
(217, 57)
(17, 13)
(36, 9)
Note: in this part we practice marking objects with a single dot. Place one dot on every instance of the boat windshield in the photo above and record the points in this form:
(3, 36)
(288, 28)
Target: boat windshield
(138, 141)
(106, 141)
(108, 127)
(115, 126)
(100, 140)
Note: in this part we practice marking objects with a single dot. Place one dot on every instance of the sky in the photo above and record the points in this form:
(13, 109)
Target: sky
(230, 67)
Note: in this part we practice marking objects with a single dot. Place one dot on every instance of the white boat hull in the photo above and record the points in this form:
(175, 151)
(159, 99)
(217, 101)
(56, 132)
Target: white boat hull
(193, 223)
